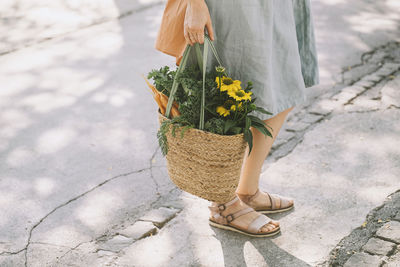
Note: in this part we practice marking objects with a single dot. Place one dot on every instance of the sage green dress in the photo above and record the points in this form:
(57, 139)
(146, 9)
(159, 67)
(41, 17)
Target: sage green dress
(268, 42)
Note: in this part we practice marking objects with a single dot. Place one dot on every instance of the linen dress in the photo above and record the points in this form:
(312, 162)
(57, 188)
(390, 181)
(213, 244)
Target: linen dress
(268, 42)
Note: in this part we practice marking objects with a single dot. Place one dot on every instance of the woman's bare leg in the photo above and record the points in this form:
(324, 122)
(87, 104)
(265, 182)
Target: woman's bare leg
(251, 168)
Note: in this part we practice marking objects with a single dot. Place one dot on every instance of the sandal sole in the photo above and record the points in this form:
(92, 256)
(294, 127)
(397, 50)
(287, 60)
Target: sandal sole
(275, 211)
(230, 228)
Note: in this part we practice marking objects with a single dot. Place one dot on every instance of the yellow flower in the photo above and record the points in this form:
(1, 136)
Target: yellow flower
(223, 111)
(240, 95)
(239, 106)
(227, 84)
(235, 107)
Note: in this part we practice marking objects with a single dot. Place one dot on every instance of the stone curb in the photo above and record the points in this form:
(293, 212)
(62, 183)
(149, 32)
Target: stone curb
(149, 224)
(363, 94)
(376, 241)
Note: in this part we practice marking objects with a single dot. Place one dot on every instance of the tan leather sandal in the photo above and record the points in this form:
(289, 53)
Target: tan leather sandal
(258, 202)
(224, 221)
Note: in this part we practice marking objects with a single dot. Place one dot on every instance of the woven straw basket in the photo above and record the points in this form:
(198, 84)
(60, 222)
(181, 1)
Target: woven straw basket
(202, 163)
(205, 164)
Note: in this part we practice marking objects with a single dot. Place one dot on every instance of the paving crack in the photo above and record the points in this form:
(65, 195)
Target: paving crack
(68, 202)
(393, 107)
(73, 248)
(364, 111)
(50, 244)
(151, 170)
(366, 59)
(4, 253)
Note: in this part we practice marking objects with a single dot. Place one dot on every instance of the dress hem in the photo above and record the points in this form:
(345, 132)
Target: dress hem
(282, 107)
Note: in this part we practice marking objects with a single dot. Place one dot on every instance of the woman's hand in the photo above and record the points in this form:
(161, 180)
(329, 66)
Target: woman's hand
(197, 17)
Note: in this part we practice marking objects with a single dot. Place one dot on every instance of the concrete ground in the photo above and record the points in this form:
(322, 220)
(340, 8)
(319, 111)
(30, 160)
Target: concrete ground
(83, 182)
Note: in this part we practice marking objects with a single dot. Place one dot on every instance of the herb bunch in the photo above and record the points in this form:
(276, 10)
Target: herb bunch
(227, 104)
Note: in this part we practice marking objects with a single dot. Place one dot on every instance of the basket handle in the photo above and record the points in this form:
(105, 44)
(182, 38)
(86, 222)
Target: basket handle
(202, 61)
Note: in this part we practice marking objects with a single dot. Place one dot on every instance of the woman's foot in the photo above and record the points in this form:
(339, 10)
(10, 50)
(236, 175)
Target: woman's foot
(236, 216)
(267, 203)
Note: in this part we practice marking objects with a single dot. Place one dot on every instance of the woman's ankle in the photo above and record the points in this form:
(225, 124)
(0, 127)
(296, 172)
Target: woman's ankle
(246, 191)
(231, 202)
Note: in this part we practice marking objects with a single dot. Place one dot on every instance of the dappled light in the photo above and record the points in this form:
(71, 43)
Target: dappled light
(347, 31)
(95, 212)
(53, 140)
(44, 186)
(79, 156)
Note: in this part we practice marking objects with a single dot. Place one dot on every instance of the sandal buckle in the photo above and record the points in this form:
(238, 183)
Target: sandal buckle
(223, 207)
(229, 216)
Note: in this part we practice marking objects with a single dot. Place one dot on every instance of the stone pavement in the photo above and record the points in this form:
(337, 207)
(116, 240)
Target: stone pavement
(376, 242)
(83, 182)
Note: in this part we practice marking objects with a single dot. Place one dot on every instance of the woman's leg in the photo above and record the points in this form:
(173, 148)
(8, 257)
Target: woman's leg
(251, 168)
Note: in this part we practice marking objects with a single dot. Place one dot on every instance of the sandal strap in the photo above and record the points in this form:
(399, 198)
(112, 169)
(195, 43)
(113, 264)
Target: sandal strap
(222, 207)
(258, 222)
(275, 197)
(233, 216)
(283, 201)
(230, 202)
(276, 201)
(247, 198)
(217, 210)
(272, 201)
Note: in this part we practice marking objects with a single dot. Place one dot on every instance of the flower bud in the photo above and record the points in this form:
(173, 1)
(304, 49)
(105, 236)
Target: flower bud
(220, 69)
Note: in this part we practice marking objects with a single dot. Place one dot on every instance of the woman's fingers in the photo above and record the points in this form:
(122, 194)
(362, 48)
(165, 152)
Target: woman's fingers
(187, 37)
(197, 18)
(200, 37)
(193, 37)
(197, 36)
(210, 29)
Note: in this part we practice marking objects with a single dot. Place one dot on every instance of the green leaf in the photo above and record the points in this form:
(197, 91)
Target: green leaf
(212, 111)
(256, 119)
(174, 126)
(262, 129)
(248, 136)
(187, 90)
(248, 123)
(263, 126)
(162, 137)
(262, 110)
(228, 125)
(236, 130)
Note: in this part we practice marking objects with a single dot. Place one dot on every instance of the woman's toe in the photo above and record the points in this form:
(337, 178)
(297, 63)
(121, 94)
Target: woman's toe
(287, 202)
(268, 228)
(276, 223)
(291, 202)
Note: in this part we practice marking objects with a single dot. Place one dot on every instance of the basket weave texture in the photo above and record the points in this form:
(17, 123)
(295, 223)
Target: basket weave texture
(205, 164)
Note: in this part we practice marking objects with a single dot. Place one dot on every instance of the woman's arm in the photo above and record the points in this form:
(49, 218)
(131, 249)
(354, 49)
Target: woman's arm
(197, 17)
